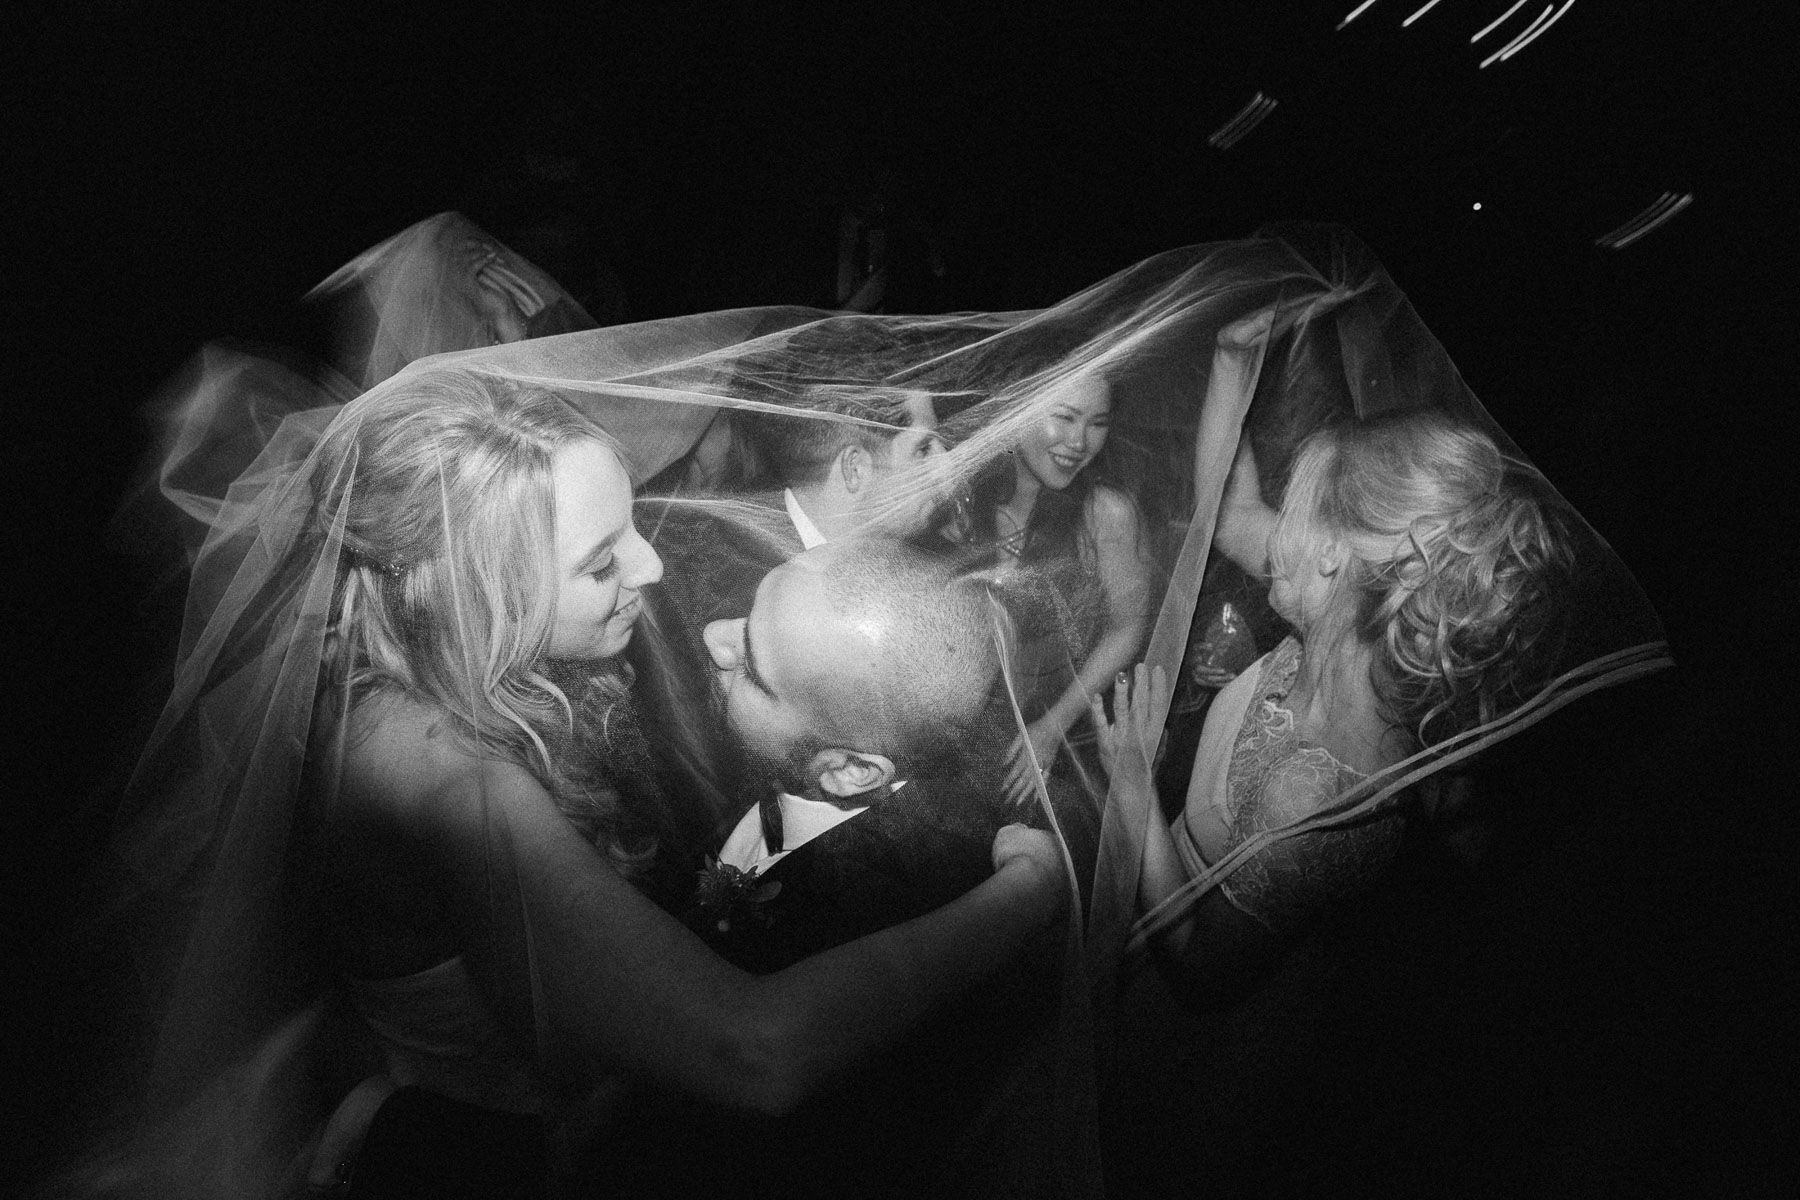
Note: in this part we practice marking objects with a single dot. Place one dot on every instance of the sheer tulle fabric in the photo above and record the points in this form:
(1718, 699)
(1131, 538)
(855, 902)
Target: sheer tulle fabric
(213, 819)
(442, 284)
(439, 285)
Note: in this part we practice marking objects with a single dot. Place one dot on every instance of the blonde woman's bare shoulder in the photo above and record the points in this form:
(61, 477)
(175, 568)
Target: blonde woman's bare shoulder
(404, 762)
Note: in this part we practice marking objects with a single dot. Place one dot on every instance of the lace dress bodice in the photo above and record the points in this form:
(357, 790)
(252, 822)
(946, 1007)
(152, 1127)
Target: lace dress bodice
(1274, 778)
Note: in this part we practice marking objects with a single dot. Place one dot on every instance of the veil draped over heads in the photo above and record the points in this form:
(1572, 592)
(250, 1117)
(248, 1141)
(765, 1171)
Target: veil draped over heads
(441, 284)
(212, 828)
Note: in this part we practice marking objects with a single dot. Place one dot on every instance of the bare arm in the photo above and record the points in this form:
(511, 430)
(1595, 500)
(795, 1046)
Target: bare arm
(1215, 954)
(1245, 521)
(563, 944)
(1124, 572)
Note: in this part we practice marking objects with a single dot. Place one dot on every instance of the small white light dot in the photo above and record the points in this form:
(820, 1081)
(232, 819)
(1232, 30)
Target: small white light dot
(1478, 206)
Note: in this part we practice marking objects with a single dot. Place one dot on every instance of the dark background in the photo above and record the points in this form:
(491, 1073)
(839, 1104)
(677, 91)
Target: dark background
(1613, 1016)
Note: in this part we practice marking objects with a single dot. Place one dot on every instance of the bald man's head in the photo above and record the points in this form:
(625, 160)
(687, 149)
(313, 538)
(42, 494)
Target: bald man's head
(866, 646)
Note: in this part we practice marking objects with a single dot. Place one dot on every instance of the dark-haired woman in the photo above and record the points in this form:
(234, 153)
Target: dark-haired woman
(1070, 541)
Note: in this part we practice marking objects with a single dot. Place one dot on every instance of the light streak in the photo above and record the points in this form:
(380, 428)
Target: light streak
(1249, 117)
(1518, 46)
(1498, 21)
(1499, 54)
(1664, 207)
(1355, 13)
(1430, 4)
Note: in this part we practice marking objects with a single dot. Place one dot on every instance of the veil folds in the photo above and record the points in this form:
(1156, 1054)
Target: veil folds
(441, 284)
(213, 816)
(1346, 346)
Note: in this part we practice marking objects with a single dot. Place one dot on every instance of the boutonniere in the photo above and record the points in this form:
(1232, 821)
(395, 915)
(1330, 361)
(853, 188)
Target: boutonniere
(728, 895)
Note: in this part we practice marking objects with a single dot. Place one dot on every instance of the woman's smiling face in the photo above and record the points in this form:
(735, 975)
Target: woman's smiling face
(602, 560)
(1071, 433)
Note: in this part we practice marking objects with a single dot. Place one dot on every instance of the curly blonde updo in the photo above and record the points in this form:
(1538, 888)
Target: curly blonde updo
(1459, 563)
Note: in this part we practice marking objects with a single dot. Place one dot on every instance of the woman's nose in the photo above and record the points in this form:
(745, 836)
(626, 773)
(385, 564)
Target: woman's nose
(646, 565)
(725, 643)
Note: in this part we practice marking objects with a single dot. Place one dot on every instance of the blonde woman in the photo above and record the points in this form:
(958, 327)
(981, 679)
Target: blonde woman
(1422, 576)
(408, 720)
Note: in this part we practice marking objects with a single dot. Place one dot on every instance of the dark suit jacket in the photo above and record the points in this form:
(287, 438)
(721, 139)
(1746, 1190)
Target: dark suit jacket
(919, 1119)
(911, 852)
(926, 1117)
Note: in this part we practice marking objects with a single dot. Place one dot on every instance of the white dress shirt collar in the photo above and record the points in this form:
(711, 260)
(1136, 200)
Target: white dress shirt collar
(802, 820)
(803, 525)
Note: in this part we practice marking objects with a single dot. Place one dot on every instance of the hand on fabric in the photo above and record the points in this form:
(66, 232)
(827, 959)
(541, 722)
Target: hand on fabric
(1021, 776)
(1131, 742)
(1246, 333)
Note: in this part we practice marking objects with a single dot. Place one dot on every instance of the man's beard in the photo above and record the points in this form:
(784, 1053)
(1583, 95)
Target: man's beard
(759, 773)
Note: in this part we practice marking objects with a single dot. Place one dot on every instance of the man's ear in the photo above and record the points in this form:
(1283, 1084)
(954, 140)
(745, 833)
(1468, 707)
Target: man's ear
(846, 773)
(854, 468)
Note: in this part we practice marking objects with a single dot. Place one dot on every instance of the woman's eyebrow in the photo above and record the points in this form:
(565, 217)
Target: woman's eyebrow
(592, 560)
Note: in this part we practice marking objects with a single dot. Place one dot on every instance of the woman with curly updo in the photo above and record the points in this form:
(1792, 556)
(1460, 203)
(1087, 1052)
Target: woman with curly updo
(1422, 574)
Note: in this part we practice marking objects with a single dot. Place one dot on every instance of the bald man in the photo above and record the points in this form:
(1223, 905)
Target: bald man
(859, 686)
(857, 689)
(839, 476)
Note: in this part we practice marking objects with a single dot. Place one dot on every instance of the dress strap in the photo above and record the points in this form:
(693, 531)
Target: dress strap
(1192, 860)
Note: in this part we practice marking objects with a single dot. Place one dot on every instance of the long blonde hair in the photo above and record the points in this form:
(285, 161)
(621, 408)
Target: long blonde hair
(447, 585)
(1459, 562)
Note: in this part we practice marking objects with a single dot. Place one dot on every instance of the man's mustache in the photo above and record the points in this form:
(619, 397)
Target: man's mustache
(758, 773)
(719, 709)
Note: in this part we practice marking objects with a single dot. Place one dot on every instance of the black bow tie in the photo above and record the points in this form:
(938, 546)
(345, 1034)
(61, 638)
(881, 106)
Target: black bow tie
(769, 807)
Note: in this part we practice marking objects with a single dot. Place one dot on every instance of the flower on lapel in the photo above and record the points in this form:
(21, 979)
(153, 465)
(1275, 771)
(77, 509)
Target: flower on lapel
(727, 894)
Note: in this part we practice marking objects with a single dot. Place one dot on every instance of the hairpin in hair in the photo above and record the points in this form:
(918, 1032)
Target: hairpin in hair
(393, 568)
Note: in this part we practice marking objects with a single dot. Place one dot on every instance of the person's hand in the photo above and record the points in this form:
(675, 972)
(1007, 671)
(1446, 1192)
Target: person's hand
(1246, 333)
(1021, 777)
(1023, 848)
(1131, 741)
(1212, 677)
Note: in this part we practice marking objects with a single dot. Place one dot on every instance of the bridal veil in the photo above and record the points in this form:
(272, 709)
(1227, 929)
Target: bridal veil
(211, 829)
